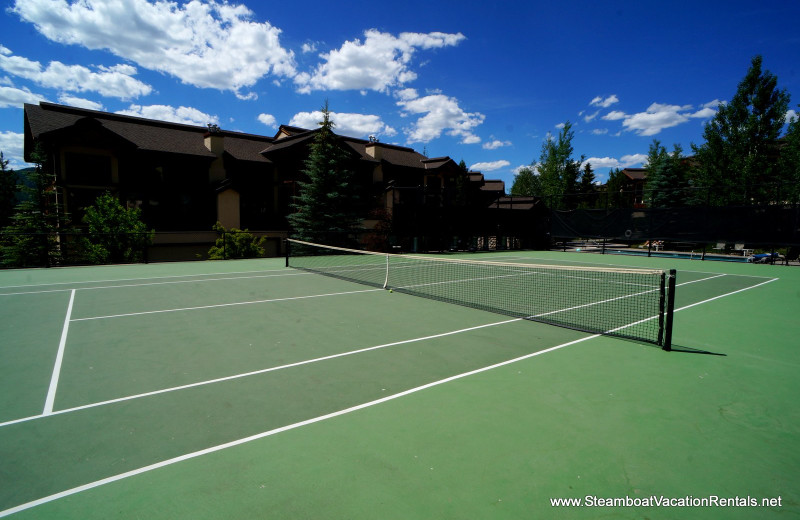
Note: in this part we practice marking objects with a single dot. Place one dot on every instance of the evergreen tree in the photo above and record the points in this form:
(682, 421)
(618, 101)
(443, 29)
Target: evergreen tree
(790, 162)
(667, 180)
(8, 191)
(526, 183)
(586, 188)
(115, 234)
(739, 152)
(327, 208)
(32, 238)
(462, 195)
(558, 172)
(616, 197)
(656, 154)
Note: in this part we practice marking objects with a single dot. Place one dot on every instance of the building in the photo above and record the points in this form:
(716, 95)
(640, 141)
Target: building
(634, 186)
(185, 178)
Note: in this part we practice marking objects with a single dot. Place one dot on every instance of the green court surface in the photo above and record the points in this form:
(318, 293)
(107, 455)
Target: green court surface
(245, 389)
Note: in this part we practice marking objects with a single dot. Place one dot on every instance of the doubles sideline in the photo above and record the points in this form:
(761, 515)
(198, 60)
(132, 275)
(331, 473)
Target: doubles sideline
(269, 433)
(48, 410)
(245, 440)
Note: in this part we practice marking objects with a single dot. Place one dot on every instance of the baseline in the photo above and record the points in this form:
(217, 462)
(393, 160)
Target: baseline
(146, 284)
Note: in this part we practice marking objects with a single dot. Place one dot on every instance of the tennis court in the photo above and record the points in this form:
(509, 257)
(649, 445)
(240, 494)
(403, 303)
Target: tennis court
(245, 389)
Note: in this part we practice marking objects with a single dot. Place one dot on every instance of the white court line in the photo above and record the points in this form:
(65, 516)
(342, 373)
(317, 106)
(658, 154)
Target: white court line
(218, 305)
(135, 279)
(51, 392)
(262, 371)
(245, 440)
(599, 264)
(299, 363)
(156, 283)
(220, 447)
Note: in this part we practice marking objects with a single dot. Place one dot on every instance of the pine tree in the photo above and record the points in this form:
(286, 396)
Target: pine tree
(32, 238)
(790, 162)
(8, 191)
(616, 197)
(667, 182)
(327, 208)
(586, 188)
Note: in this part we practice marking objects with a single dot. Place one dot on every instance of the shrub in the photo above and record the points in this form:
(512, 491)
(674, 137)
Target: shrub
(235, 243)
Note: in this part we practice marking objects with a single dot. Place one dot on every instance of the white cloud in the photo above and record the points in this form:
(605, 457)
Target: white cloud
(309, 47)
(203, 42)
(636, 159)
(615, 115)
(602, 162)
(15, 97)
(657, 117)
(707, 110)
(588, 118)
(704, 113)
(354, 125)
(521, 167)
(268, 120)
(626, 161)
(184, 115)
(12, 144)
(489, 166)
(790, 114)
(74, 101)
(495, 144)
(406, 94)
(599, 101)
(561, 126)
(115, 81)
(442, 114)
(379, 62)
(600, 131)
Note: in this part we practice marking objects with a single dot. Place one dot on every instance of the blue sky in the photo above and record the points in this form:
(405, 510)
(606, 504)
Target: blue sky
(478, 81)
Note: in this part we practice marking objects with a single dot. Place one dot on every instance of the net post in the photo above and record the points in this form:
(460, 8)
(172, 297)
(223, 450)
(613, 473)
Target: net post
(670, 310)
(386, 279)
(286, 247)
(662, 304)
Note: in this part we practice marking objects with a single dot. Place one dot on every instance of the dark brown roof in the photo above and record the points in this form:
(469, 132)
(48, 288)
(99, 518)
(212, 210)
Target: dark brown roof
(515, 203)
(163, 136)
(144, 134)
(247, 148)
(390, 153)
(285, 131)
(494, 185)
(287, 142)
(635, 173)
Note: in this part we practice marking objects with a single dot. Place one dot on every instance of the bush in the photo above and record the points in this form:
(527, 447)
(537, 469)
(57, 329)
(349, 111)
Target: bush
(115, 234)
(235, 243)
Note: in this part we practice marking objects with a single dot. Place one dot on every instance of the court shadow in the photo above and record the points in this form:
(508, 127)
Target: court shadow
(691, 350)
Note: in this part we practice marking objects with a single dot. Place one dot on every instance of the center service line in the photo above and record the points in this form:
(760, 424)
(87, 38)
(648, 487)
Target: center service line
(51, 393)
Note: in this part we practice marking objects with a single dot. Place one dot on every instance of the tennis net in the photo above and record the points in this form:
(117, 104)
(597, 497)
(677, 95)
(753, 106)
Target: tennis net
(630, 303)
